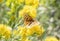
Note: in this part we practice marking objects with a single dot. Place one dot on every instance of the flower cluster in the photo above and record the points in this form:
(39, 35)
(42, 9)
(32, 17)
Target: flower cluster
(15, 4)
(51, 38)
(25, 32)
(34, 3)
(5, 31)
(28, 10)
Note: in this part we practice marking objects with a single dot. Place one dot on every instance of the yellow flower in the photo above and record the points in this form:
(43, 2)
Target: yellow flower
(19, 31)
(20, 28)
(22, 31)
(19, 1)
(8, 2)
(5, 31)
(28, 10)
(35, 29)
(30, 31)
(8, 32)
(25, 31)
(15, 32)
(27, 39)
(59, 40)
(34, 3)
(1, 1)
(23, 34)
(39, 29)
(2, 28)
(51, 38)
(24, 39)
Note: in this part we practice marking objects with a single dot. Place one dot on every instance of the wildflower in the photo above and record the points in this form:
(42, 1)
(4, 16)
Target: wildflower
(8, 32)
(27, 39)
(35, 29)
(59, 40)
(51, 38)
(19, 1)
(1, 1)
(28, 10)
(8, 2)
(23, 31)
(34, 3)
(15, 32)
(5, 31)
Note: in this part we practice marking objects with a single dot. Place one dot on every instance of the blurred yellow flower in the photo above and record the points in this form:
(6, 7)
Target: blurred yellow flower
(27, 39)
(5, 31)
(8, 32)
(19, 1)
(2, 28)
(28, 10)
(8, 2)
(15, 32)
(59, 39)
(1, 1)
(20, 27)
(34, 3)
(39, 29)
(30, 31)
(24, 38)
(35, 29)
(23, 31)
(51, 38)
